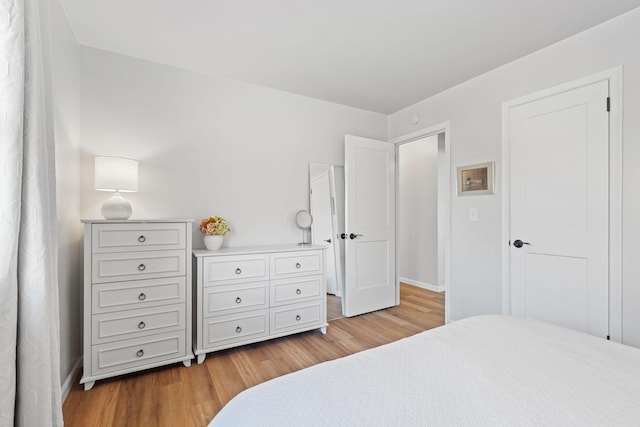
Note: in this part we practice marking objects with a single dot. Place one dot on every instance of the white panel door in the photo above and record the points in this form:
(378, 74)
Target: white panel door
(370, 225)
(322, 210)
(559, 209)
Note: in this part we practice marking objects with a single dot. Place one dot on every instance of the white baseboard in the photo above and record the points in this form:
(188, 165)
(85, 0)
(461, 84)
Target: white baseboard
(428, 286)
(67, 385)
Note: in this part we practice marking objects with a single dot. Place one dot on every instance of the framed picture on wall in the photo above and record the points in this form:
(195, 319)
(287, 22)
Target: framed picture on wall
(475, 180)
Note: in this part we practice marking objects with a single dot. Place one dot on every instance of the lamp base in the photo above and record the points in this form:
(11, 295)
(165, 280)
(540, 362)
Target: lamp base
(116, 207)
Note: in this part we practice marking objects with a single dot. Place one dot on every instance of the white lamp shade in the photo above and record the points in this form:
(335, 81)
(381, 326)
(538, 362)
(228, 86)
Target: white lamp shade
(116, 174)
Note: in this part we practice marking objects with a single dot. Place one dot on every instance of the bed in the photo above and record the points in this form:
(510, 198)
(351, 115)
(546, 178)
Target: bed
(481, 371)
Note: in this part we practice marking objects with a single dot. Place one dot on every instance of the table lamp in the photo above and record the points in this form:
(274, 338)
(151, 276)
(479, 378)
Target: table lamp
(116, 174)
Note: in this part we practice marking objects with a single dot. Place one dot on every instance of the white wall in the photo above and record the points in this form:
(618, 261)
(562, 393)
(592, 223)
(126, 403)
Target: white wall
(66, 106)
(417, 240)
(210, 146)
(474, 109)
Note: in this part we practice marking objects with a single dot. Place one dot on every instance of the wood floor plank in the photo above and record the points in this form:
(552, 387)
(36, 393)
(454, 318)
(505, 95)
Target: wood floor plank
(179, 396)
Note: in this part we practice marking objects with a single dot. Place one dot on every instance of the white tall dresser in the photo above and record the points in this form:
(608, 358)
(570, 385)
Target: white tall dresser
(137, 296)
(248, 294)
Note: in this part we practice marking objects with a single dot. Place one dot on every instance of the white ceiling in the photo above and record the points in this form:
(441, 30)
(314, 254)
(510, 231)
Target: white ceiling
(379, 55)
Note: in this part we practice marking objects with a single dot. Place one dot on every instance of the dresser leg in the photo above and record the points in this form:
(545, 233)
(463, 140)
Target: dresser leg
(201, 358)
(323, 330)
(186, 363)
(89, 385)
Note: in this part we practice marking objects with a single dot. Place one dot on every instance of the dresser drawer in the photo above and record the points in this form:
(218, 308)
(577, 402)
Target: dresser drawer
(221, 331)
(287, 291)
(135, 323)
(124, 355)
(299, 316)
(137, 237)
(114, 267)
(235, 268)
(291, 264)
(108, 297)
(218, 300)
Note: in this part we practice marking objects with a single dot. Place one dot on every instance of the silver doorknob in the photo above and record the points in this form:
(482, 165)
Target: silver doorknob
(354, 236)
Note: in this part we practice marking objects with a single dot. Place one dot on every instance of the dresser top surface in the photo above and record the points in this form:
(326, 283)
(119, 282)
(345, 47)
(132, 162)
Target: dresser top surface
(257, 249)
(132, 221)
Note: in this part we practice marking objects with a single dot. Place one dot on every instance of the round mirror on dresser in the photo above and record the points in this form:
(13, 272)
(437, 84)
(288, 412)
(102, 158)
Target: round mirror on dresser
(304, 221)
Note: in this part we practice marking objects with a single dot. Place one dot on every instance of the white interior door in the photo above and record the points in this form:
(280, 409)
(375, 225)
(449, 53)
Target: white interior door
(370, 225)
(322, 210)
(559, 209)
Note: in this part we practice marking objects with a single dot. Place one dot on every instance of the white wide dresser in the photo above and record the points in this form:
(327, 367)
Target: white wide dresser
(251, 294)
(137, 298)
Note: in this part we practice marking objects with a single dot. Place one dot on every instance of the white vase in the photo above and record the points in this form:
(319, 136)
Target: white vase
(213, 242)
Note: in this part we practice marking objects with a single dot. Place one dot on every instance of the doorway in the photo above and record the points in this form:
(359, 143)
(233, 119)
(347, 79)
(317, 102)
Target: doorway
(420, 238)
(441, 133)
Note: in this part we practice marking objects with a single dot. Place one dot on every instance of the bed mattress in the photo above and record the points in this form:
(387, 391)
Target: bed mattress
(481, 371)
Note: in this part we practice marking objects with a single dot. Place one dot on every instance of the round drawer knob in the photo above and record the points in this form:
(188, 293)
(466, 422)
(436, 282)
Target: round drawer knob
(238, 271)
(142, 297)
(142, 267)
(298, 291)
(298, 265)
(142, 239)
(298, 317)
(141, 325)
(238, 329)
(140, 353)
(238, 300)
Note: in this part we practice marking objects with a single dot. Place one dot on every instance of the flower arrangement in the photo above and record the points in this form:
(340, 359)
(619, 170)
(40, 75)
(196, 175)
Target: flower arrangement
(214, 225)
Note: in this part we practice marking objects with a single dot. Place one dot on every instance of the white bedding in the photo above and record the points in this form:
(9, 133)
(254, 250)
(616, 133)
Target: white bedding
(486, 370)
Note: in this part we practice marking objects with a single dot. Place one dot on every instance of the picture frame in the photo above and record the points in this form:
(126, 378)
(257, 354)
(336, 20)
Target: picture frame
(476, 180)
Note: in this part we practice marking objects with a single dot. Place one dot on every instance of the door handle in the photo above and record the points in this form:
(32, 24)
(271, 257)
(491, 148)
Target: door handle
(343, 236)
(328, 240)
(519, 243)
(354, 236)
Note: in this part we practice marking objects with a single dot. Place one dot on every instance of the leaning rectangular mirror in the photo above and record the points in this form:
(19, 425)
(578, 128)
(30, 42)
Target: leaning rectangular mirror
(326, 201)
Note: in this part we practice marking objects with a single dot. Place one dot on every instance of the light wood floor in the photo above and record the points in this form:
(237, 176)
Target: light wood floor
(179, 396)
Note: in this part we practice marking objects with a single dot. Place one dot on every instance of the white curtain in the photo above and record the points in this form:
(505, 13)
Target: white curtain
(29, 325)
